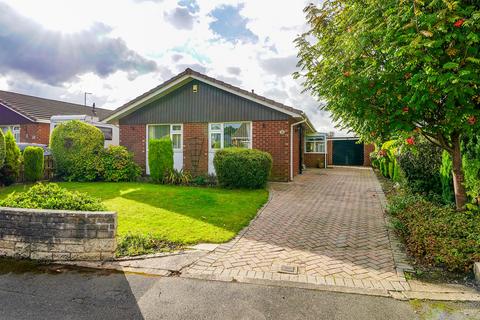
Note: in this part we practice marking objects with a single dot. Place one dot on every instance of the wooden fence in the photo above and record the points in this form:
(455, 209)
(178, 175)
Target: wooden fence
(47, 170)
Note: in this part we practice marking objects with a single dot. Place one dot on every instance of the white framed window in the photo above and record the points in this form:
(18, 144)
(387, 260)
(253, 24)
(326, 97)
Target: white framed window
(15, 130)
(315, 143)
(229, 135)
(174, 131)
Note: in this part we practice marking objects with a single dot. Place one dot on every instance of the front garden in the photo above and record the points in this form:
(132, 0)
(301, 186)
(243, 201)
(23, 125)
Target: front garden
(166, 211)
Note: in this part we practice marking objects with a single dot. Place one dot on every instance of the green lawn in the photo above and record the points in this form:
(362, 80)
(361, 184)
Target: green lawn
(184, 215)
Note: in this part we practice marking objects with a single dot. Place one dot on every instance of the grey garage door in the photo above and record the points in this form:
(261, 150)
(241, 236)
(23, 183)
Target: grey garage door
(347, 153)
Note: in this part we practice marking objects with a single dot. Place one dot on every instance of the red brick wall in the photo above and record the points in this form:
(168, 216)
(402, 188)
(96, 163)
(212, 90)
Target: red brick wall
(274, 138)
(195, 147)
(314, 160)
(367, 149)
(133, 137)
(35, 133)
(329, 152)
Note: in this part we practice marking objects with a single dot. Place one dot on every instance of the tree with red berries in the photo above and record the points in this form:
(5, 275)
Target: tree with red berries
(390, 68)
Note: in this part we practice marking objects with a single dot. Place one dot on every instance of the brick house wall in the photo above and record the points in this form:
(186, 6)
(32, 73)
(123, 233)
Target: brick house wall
(270, 136)
(35, 133)
(195, 147)
(367, 149)
(329, 152)
(133, 137)
(274, 138)
(314, 160)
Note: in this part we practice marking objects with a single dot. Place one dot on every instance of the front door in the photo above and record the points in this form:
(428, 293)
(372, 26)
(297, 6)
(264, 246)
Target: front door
(175, 132)
(214, 143)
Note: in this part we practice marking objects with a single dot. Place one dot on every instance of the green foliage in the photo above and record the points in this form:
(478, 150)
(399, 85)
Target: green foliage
(33, 163)
(179, 177)
(471, 165)
(51, 196)
(117, 165)
(76, 148)
(436, 235)
(242, 168)
(137, 244)
(386, 158)
(420, 165)
(11, 168)
(386, 66)
(209, 180)
(446, 178)
(2, 149)
(160, 158)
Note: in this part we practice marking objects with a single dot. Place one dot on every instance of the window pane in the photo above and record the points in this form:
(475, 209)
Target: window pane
(177, 141)
(236, 135)
(176, 127)
(158, 132)
(309, 146)
(319, 147)
(107, 132)
(215, 126)
(215, 140)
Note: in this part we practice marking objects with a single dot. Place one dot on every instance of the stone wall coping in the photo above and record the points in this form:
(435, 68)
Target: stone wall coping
(21, 211)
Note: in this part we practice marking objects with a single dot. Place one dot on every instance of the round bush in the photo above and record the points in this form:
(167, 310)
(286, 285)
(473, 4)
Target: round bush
(242, 168)
(118, 165)
(76, 148)
(11, 167)
(160, 158)
(33, 163)
(2, 148)
(52, 196)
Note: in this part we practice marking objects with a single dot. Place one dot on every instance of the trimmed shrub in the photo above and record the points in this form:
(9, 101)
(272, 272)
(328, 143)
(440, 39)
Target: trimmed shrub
(437, 235)
(118, 165)
(76, 147)
(51, 196)
(11, 167)
(33, 163)
(2, 149)
(242, 168)
(160, 158)
(446, 178)
(421, 167)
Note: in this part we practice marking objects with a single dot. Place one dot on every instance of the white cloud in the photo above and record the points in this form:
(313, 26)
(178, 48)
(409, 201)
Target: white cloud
(145, 28)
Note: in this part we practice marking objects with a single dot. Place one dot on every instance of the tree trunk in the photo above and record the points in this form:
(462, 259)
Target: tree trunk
(458, 176)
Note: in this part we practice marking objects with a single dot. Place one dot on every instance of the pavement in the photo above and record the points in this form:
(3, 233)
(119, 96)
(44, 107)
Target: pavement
(79, 294)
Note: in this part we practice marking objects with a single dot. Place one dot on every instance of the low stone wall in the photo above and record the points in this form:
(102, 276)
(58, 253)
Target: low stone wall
(57, 234)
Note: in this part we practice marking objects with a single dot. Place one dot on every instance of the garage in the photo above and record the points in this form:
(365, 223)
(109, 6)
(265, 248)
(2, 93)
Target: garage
(347, 152)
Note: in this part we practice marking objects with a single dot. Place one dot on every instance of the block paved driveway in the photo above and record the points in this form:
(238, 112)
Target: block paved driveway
(328, 224)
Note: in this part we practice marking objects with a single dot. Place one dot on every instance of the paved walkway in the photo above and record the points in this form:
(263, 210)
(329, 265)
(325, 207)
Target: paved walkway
(325, 228)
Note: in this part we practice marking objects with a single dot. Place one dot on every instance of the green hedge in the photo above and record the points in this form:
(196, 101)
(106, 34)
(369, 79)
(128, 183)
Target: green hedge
(437, 235)
(117, 165)
(2, 148)
(242, 168)
(33, 163)
(11, 167)
(160, 158)
(51, 196)
(76, 147)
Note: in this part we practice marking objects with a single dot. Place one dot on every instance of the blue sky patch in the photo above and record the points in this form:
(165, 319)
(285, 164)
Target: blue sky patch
(230, 25)
(191, 5)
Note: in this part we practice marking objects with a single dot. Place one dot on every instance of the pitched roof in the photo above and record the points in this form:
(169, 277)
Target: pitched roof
(40, 109)
(194, 74)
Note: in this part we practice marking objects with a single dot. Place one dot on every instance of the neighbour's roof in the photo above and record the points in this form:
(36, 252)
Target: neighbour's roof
(194, 74)
(39, 109)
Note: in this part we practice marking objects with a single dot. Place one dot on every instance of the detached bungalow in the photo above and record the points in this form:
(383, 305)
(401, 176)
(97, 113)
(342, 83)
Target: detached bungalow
(202, 115)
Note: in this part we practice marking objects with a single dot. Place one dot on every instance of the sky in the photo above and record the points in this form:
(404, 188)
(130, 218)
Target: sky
(119, 49)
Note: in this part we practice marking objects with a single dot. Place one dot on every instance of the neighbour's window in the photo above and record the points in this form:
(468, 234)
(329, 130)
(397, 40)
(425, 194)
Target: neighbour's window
(232, 134)
(15, 130)
(174, 131)
(107, 133)
(315, 143)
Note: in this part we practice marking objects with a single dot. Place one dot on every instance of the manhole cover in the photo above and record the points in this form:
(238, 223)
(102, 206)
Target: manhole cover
(288, 269)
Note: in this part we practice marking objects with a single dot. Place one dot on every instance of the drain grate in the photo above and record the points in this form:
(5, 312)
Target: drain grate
(288, 269)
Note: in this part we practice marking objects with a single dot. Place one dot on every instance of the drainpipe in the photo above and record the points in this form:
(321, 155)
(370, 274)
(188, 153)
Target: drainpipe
(291, 145)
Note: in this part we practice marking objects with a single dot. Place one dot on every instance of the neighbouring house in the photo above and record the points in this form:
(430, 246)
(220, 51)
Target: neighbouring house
(30, 118)
(202, 115)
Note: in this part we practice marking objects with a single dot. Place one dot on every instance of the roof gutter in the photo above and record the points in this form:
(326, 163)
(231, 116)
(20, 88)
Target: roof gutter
(291, 145)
